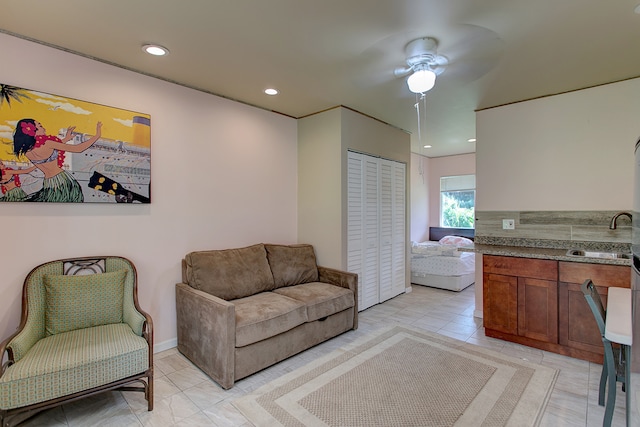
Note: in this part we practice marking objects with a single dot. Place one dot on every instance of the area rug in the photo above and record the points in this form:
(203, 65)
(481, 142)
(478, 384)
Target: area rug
(401, 376)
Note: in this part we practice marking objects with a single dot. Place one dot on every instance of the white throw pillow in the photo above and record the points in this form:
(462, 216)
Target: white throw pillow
(456, 240)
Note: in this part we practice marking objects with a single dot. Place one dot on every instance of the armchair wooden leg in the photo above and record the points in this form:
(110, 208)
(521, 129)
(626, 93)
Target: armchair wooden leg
(149, 393)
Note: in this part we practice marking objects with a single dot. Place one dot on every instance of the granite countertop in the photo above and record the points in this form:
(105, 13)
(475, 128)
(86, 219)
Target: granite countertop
(559, 254)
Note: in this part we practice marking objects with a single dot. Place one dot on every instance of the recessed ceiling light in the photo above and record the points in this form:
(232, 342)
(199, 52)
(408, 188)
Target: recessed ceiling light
(471, 140)
(154, 49)
(271, 91)
(427, 146)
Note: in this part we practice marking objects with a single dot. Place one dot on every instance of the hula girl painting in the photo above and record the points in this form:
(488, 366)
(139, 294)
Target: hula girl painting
(47, 152)
(10, 183)
(103, 157)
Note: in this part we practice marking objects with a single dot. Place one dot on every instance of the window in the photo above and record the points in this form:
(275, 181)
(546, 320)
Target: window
(457, 201)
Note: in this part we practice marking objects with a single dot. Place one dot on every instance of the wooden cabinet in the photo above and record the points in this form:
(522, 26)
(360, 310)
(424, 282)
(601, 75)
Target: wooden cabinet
(520, 297)
(500, 305)
(538, 309)
(577, 326)
(539, 303)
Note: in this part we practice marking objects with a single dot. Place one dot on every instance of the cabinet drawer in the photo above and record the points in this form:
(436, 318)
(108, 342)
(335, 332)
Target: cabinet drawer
(601, 274)
(522, 267)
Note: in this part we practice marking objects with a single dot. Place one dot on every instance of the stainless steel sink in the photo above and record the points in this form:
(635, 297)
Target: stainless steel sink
(597, 254)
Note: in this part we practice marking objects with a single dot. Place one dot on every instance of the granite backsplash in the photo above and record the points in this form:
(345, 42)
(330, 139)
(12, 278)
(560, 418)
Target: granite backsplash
(554, 229)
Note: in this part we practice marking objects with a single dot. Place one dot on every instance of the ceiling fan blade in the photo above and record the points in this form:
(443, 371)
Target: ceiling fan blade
(472, 51)
(401, 71)
(381, 59)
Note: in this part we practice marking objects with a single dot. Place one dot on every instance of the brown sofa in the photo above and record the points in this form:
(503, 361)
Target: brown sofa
(242, 310)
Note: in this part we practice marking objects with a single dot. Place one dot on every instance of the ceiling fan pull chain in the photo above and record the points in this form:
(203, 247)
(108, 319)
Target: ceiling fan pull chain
(423, 97)
(417, 107)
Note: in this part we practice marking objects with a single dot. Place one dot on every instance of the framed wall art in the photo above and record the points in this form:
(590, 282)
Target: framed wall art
(63, 150)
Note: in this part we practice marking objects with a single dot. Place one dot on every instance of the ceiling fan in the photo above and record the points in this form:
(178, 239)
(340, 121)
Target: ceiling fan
(423, 64)
(458, 54)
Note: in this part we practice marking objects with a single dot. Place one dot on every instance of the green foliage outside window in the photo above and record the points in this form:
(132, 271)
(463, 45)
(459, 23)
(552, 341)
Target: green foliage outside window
(458, 208)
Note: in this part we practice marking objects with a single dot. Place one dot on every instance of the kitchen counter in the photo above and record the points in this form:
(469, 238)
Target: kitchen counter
(540, 253)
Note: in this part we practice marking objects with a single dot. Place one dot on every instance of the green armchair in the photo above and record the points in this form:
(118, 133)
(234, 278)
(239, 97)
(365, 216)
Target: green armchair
(82, 332)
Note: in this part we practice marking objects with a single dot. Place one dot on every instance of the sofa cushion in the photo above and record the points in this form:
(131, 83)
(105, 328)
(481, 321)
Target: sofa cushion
(321, 299)
(292, 264)
(230, 273)
(67, 363)
(265, 315)
(77, 302)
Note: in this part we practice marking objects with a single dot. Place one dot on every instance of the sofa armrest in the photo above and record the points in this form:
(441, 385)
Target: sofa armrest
(343, 279)
(207, 332)
(19, 343)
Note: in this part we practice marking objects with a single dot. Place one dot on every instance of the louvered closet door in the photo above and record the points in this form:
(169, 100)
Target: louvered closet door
(376, 227)
(355, 218)
(362, 226)
(386, 229)
(370, 288)
(399, 227)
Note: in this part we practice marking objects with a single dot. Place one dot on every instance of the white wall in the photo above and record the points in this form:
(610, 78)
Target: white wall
(566, 152)
(320, 185)
(419, 190)
(224, 174)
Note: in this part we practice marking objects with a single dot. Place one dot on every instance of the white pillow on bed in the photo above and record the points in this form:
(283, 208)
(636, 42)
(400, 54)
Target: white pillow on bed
(456, 241)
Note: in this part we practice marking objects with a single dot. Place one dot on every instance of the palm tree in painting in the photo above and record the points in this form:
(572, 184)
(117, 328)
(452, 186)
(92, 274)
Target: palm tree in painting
(8, 93)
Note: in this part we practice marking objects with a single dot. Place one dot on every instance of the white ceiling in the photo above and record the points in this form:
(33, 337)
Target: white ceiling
(323, 53)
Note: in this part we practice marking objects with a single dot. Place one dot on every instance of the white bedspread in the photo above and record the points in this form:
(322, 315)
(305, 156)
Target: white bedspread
(443, 265)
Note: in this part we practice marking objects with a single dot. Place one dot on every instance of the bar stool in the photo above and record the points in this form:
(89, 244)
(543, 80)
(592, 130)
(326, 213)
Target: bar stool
(615, 367)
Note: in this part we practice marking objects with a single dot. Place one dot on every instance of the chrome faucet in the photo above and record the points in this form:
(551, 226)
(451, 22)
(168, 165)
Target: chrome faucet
(613, 224)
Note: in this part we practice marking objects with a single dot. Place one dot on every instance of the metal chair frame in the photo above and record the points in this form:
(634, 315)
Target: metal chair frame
(615, 359)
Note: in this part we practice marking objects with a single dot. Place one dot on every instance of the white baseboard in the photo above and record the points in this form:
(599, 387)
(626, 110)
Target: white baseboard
(478, 313)
(407, 290)
(165, 345)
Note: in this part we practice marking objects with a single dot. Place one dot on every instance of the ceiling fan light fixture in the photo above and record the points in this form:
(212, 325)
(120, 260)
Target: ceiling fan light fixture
(421, 81)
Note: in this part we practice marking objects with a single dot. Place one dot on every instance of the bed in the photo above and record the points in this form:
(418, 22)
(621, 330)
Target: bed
(438, 263)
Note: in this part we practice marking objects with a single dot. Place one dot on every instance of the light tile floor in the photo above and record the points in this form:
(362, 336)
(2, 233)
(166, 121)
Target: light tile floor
(184, 396)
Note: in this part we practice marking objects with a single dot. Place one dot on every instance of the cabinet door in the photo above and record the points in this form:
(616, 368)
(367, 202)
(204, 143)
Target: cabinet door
(538, 309)
(500, 303)
(578, 328)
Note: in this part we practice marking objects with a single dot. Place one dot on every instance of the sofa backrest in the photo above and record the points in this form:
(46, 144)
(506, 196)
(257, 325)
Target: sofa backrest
(292, 264)
(237, 273)
(229, 273)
